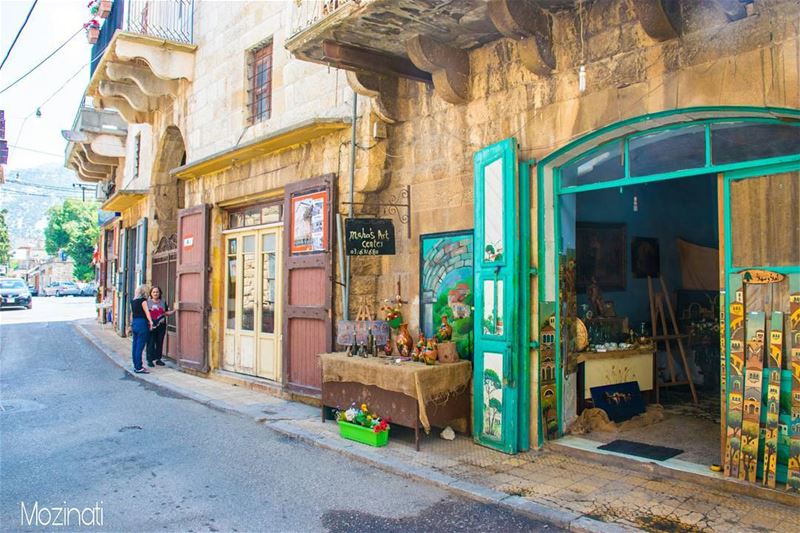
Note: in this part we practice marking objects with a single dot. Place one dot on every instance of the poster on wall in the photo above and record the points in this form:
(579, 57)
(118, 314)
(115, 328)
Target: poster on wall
(446, 286)
(309, 222)
(601, 255)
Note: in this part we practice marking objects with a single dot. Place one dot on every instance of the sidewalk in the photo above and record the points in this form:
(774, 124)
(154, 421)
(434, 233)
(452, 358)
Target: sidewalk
(569, 491)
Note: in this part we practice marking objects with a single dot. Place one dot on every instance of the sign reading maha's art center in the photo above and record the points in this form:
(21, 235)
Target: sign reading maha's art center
(369, 236)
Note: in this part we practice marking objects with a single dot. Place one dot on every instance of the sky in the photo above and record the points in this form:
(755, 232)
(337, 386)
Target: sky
(52, 23)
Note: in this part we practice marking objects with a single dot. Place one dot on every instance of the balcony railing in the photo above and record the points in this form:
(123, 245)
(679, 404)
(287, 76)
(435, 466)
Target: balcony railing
(306, 13)
(172, 20)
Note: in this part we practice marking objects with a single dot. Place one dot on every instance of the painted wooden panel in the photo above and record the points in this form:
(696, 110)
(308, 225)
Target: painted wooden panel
(308, 340)
(764, 221)
(735, 392)
(751, 417)
(192, 272)
(601, 371)
(305, 286)
(793, 482)
(772, 407)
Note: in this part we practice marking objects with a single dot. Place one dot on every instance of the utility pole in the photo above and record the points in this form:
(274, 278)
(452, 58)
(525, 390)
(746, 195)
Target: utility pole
(84, 188)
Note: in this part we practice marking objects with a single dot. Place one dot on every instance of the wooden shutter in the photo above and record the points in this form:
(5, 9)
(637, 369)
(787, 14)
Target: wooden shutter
(308, 291)
(192, 288)
(122, 283)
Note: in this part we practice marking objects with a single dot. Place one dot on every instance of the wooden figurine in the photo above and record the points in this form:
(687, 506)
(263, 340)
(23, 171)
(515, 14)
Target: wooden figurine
(445, 332)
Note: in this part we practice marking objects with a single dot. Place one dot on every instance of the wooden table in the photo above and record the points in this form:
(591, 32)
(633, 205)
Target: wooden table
(409, 394)
(608, 368)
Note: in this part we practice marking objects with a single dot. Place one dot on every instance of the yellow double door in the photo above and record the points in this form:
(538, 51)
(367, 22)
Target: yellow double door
(253, 290)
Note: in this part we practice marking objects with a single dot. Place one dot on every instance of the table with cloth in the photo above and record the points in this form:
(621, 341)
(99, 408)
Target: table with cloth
(407, 393)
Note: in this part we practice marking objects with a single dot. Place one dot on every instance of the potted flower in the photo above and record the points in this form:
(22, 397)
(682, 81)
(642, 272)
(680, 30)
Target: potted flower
(92, 31)
(100, 8)
(361, 425)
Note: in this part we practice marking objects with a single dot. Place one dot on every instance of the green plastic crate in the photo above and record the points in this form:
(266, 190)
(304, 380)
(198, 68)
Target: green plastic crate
(362, 434)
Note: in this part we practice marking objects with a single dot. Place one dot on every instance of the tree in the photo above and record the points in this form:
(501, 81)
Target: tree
(72, 227)
(5, 241)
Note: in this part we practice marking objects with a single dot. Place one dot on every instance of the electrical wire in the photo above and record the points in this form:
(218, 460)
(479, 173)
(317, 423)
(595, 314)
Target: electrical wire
(60, 156)
(18, 33)
(40, 63)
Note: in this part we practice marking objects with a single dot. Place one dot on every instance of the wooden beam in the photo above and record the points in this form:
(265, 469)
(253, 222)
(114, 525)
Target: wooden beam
(354, 58)
(449, 67)
(529, 25)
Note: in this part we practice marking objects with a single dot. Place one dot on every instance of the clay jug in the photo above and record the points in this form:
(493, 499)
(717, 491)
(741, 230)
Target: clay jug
(445, 332)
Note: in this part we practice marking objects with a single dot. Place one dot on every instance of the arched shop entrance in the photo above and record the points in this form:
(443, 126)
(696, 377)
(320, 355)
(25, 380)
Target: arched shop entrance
(699, 204)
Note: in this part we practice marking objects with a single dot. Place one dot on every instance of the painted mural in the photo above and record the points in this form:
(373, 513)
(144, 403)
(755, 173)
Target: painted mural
(793, 365)
(446, 286)
(493, 395)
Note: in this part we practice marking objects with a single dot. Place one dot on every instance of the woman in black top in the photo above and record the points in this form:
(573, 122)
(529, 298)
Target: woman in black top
(141, 324)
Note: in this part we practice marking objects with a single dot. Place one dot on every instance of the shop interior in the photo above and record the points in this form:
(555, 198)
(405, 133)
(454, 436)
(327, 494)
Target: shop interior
(646, 251)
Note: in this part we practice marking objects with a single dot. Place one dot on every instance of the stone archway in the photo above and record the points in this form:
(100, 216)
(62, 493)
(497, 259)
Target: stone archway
(166, 191)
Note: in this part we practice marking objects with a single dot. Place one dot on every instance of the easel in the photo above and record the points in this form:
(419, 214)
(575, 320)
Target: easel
(364, 310)
(657, 316)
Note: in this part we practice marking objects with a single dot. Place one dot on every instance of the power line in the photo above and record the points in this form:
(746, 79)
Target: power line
(60, 156)
(18, 34)
(42, 185)
(41, 62)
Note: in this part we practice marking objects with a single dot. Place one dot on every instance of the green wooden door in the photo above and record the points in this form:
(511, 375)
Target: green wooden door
(496, 374)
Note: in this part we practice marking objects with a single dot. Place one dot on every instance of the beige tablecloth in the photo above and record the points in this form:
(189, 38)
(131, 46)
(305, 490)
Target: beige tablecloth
(423, 382)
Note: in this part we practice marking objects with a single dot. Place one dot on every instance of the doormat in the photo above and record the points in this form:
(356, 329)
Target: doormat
(639, 449)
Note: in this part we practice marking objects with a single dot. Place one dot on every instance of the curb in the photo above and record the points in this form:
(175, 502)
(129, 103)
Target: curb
(557, 517)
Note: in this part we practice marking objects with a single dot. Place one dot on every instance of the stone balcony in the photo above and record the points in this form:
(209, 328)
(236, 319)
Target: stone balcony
(429, 40)
(96, 144)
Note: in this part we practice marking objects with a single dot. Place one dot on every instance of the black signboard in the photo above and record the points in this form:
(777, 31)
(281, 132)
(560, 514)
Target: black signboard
(369, 236)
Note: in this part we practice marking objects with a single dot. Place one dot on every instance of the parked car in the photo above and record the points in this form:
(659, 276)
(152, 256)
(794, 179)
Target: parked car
(88, 289)
(68, 288)
(33, 290)
(14, 293)
(50, 288)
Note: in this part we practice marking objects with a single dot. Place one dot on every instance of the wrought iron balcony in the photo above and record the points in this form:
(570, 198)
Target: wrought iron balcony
(171, 20)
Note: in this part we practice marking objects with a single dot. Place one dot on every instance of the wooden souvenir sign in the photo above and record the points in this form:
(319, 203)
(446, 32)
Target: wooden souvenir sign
(793, 478)
(734, 417)
(773, 399)
(760, 277)
(751, 417)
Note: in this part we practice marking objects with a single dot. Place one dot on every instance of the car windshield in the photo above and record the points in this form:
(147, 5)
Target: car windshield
(12, 284)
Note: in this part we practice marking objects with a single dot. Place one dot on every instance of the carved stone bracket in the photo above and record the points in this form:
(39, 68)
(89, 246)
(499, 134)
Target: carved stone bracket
(532, 28)
(143, 77)
(448, 66)
(375, 87)
(130, 92)
(655, 20)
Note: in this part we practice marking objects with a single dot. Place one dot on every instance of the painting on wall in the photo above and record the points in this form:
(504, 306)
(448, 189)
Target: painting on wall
(601, 255)
(309, 225)
(492, 395)
(446, 286)
(645, 258)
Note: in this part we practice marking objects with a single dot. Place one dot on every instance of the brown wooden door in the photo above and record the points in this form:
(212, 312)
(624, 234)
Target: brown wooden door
(308, 291)
(191, 288)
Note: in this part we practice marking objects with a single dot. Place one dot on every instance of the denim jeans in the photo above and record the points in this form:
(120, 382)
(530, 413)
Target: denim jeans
(141, 332)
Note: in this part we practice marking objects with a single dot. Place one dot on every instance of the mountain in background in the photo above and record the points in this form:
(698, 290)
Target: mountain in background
(28, 193)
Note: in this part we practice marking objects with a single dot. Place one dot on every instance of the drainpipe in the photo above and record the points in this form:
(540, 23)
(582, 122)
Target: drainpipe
(351, 200)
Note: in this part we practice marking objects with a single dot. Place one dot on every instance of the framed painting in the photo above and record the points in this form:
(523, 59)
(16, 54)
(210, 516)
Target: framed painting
(601, 255)
(309, 227)
(445, 269)
(645, 257)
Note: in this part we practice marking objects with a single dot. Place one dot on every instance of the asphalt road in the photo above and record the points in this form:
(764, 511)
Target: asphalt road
(78, 432)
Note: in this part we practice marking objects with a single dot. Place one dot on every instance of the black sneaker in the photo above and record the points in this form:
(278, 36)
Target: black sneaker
(150, 364)
(160, 363)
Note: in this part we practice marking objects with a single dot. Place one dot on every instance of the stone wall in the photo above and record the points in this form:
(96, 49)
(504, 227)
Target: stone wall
(753, 61)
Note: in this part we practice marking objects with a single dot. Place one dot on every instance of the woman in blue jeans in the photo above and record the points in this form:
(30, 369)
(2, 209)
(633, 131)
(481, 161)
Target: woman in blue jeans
(141, 324)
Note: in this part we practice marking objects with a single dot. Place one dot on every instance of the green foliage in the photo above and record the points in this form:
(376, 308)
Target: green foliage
(5, 240)
(491, 380)
(72, 227)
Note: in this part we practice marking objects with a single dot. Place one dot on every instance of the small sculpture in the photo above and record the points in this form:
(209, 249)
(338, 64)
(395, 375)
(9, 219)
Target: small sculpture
(420, 347)
(595, 296)
(387, 348)
(430, 354)
(445, 332)
(404, 341)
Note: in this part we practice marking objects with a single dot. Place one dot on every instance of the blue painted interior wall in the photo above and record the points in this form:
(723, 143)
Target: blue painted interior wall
(684, 208)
